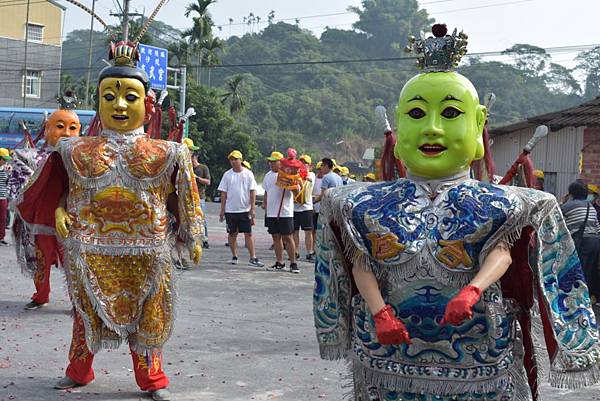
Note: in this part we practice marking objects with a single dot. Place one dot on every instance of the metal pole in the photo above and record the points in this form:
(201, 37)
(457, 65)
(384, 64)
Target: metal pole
(183, 89)
(25, 57)
(126, 20)
(89, 71)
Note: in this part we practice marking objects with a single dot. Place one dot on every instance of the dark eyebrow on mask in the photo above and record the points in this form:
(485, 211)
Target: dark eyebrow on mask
(417, 98)
(450, 97)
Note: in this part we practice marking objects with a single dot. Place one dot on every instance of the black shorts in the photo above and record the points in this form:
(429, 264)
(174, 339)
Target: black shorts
(303, 220)
(280, 225)
(315, 220)
(238, 222)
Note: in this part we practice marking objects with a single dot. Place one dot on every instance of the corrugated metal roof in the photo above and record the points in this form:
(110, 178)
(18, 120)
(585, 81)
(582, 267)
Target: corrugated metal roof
(586, 114)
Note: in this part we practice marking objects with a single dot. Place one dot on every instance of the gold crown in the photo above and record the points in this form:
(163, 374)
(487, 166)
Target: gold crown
(124, 54)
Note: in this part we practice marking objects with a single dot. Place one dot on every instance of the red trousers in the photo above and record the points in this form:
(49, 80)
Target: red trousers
(48, 252)
(148, 378)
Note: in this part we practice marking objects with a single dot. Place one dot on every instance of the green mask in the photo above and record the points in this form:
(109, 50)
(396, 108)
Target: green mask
(440, 125)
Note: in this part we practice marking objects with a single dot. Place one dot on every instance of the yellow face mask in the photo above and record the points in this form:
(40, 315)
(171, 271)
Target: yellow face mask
(122, 105)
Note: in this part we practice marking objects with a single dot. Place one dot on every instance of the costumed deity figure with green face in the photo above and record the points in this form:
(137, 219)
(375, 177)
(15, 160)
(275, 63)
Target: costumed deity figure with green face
(424, 284)
(109, 198)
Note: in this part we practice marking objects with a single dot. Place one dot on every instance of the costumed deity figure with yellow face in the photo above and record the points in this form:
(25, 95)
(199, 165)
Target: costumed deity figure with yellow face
(109, 197)
(36, 245)
(423, 284)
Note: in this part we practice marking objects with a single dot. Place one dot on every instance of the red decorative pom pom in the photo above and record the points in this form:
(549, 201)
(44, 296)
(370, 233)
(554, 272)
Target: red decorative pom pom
(439, 30)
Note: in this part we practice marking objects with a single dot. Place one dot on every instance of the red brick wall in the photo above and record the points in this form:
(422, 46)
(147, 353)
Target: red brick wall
(591, 156)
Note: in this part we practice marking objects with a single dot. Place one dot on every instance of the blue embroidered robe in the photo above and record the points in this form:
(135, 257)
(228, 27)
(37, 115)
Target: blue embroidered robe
(423, 248)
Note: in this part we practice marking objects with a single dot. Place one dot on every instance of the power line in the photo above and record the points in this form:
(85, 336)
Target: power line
(550, 50)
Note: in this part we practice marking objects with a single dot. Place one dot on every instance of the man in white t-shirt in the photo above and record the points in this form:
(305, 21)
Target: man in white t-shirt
(304, 213)
(238, 199)
(279, 206)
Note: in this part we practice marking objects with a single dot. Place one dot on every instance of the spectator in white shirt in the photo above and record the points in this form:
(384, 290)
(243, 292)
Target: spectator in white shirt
(238, 200)
(279, 206)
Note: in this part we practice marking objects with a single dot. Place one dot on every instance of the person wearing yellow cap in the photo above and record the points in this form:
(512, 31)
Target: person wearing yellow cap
(203, 180)
(304, 213)
(345, 174)
(190, 144)
(4, 175)
(370, 177)
(238, 200)
(539, 179)
(279, 214)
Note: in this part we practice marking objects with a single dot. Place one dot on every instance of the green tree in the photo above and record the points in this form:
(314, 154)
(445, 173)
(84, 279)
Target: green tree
(201, 30)
(532, 60)
(233, 95)
(217, 132)
(589, 63)
(388, 24)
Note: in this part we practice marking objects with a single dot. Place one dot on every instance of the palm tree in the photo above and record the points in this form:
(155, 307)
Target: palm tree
(210, 56)
(234, 96)
(201, 28)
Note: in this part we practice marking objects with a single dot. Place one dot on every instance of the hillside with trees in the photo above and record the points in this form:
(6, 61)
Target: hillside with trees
(283, 86)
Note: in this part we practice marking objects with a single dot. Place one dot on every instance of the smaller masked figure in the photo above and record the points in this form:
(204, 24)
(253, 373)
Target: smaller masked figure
(36, 246)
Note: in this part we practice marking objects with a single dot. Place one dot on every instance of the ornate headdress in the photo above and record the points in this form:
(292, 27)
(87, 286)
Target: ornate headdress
(124, 57)
(440, 52)
(68, 101)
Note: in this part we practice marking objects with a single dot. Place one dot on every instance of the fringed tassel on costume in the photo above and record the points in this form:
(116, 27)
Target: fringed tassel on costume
(388, 160)
(528, 172)
(488, 158)
(95, 126)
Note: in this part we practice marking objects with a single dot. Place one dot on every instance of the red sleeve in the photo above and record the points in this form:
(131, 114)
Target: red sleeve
(42, 196)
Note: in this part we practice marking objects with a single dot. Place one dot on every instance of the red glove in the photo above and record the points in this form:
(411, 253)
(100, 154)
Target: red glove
(460, 307)
(389, 329)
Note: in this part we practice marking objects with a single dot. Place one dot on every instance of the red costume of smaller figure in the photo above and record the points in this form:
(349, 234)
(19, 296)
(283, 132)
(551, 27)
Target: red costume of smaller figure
(37, 247)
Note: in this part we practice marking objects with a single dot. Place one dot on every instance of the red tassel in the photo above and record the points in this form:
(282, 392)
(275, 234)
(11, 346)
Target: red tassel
(488, 157)
(387, 156)
(528, 171)
(400, 169)
(476, 167)
(95, 126)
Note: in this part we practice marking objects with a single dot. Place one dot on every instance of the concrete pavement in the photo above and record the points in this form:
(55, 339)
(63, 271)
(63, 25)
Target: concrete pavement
(242, 333)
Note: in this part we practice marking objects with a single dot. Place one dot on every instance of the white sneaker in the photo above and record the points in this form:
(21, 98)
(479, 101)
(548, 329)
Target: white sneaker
(234, 260)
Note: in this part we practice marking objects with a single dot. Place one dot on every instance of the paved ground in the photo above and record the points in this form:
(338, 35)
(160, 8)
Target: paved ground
(241, 334)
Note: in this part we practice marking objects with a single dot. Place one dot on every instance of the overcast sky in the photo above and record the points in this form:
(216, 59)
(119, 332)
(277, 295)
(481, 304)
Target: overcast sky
(491, 24)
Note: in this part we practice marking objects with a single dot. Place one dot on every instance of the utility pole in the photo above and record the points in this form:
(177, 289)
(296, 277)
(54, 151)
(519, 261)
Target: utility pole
(125, 21)
(89, 71)
(25, 57)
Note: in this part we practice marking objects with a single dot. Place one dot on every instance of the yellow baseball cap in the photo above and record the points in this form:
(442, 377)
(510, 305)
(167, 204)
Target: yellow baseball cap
(190, 144)
(319, 164)
(246, 164)
(344, 170)
(337, 169)
(236, 154)
(538, 173)
(275, 156)
(593, 188)
(370, 177)
(334, 162)
(306, 159)
(4, 154)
